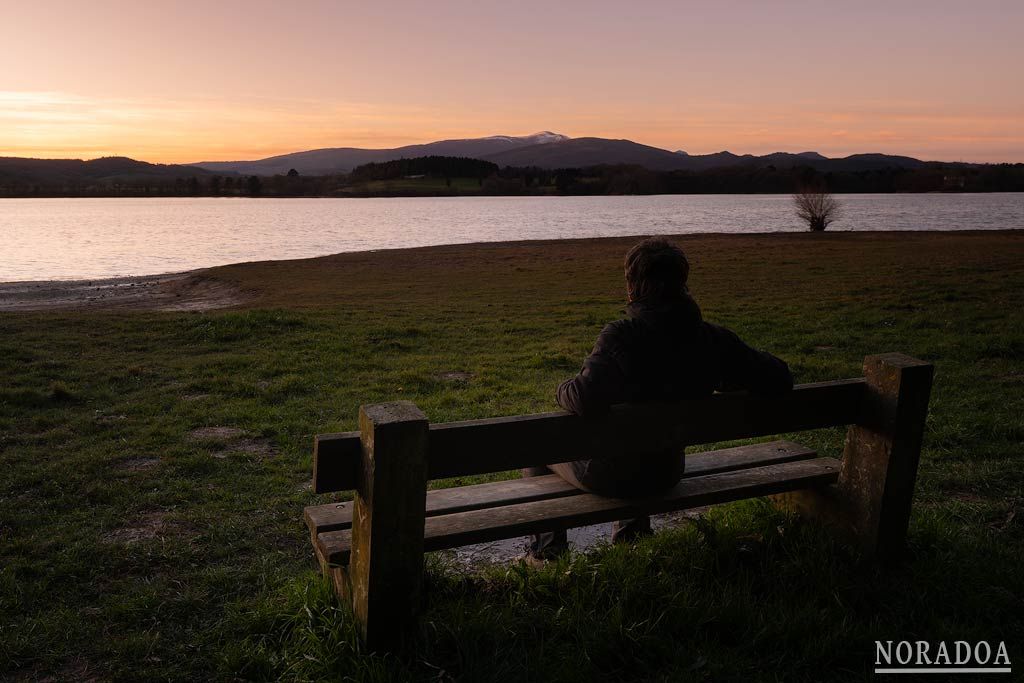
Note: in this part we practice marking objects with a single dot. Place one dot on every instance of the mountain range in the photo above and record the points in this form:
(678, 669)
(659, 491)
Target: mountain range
(544, 150)
(547, 150)
(344, 159)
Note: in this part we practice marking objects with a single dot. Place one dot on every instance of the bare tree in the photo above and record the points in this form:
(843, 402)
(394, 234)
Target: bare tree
(816, 207)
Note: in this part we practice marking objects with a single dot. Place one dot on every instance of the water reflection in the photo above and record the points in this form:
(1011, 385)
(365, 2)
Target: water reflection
(92, 238)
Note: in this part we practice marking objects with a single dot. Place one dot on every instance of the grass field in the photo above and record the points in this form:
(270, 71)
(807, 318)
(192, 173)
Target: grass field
(155, 466)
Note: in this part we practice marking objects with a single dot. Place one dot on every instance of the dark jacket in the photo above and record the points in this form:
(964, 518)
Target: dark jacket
(662, 352)
(666, 352)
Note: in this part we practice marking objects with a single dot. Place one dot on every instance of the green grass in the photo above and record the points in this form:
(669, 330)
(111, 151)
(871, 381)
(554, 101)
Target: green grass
(134, 547)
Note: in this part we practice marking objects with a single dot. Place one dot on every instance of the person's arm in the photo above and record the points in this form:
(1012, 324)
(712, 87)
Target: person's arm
(600, 384)
(747, 368)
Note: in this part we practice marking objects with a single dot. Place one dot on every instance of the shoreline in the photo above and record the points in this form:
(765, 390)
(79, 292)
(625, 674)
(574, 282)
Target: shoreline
(448, 195)
(184, 291)
(234, 285)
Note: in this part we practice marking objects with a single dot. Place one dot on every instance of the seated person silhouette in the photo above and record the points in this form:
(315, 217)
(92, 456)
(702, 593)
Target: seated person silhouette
(663, 351)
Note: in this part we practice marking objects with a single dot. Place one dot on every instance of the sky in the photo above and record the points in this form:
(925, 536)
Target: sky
(186, 81)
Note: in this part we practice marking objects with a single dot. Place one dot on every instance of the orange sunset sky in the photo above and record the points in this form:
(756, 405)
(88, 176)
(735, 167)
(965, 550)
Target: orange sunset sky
(216, 80)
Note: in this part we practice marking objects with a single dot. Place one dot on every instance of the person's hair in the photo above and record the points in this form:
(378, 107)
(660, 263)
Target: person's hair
(656, 269)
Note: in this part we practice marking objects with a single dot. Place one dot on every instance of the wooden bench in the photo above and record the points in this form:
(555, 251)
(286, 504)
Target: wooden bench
(372, 547)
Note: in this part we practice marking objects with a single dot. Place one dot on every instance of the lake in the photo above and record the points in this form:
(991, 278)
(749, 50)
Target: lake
(68, 239)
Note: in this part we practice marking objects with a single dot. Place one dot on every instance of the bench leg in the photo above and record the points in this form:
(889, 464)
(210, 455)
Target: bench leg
(871, 502)
(385, 572)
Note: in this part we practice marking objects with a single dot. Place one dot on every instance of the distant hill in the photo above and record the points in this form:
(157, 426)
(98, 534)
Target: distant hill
(106, 169)
(583, 152)
(344, 159)
(584, 166)
(867, 162)
(545, 150)
(580, 152)
(549, 150)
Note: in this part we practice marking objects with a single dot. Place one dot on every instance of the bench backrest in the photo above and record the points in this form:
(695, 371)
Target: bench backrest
(473, 447)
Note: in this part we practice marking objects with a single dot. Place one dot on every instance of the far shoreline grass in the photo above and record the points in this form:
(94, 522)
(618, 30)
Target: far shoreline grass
(156, 465)
(215, 270)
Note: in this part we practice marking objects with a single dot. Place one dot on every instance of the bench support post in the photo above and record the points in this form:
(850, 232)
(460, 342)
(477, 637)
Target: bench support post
(882, 453)
(386, 567)
(871, 502)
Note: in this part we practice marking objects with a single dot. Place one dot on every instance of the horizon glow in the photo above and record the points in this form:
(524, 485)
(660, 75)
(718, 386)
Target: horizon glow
(246, 80)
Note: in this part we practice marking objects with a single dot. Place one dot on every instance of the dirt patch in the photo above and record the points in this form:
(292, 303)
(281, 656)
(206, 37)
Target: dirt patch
(146, 528)
(195, 397)
(455, 376)
(192, 291)
(259, 447)
(228, 440)
(109, 419)
(138, 464)
(216, 433)
(197, 293)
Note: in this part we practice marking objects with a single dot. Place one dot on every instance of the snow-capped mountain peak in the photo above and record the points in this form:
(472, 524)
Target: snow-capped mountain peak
(546, 136)
(542, 138)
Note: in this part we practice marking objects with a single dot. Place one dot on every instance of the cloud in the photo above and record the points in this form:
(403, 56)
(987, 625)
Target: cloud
(54, 124)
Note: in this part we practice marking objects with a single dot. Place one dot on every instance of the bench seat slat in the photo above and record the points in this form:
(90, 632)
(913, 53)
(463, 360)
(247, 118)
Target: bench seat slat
(332, 516)
(335, 516)
(509, 521)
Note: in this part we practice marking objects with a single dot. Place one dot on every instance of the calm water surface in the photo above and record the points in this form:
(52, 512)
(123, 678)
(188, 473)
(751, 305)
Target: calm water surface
(91, 238)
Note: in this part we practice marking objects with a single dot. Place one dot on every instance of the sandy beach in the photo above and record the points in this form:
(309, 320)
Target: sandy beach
(191, 291)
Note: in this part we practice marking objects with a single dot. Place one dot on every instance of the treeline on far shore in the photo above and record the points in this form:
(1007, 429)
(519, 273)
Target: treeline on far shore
(455, 176)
